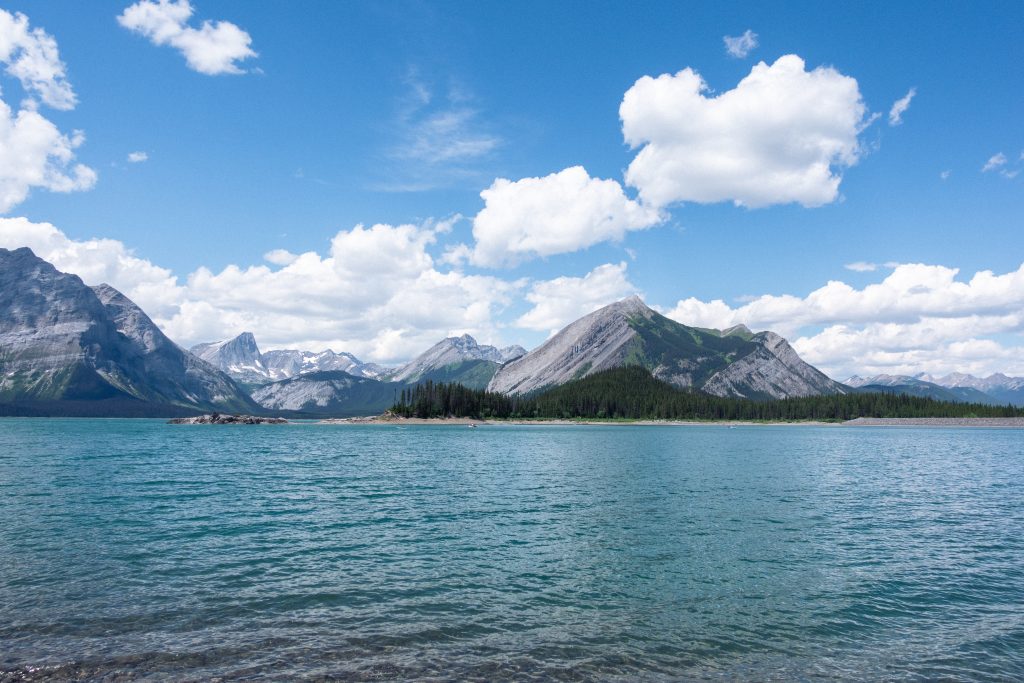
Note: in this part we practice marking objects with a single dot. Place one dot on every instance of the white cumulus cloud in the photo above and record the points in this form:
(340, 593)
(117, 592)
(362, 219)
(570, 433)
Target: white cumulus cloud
(31, 56)
(137, 157)
(912, 321)
(558, 302)
(555, 214)
(280, 257)
(96, 261)
(782, 135)
(740, 46)
(213, 48)
(33, 151)
(376, 292)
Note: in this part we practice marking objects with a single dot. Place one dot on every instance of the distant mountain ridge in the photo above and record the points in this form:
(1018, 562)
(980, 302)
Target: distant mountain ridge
(996, 389)
(451, 352)
(340, 391)
(455, 359)
(735, 363)
(62, 341)
(240, 357)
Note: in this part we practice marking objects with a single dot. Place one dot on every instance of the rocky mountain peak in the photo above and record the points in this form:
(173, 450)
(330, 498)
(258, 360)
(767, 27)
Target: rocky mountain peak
(628, 332)
(62, 340)
(738, 330)
(631, 305)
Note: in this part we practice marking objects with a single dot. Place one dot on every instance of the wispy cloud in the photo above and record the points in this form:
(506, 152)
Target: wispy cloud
(438, 140)
(444, 136)
(1000, 163)
(994, 162)
(137, 157)
(740, 46)
(861, 267)
(900, 106)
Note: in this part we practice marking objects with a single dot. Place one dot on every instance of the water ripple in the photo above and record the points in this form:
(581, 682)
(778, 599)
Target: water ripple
(131, 550)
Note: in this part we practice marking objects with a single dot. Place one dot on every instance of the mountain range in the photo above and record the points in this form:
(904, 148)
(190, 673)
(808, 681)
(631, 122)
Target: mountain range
(996, 389)
(455, 359)
(67, 348)
(735, 363)
(240, 357)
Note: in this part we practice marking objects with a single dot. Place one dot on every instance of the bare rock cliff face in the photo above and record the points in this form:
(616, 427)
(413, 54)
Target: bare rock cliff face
(734, 363)
(598, 341)
(333, 392)
(182, 377)
(62, 340)
(772, 370)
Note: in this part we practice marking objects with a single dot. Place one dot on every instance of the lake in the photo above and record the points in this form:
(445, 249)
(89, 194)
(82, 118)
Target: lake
(133, 549)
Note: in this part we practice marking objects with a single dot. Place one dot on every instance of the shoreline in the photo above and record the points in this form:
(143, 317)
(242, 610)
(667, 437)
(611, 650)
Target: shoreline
(933, 422)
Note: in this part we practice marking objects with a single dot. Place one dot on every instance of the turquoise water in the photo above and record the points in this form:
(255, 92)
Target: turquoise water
(132, 549)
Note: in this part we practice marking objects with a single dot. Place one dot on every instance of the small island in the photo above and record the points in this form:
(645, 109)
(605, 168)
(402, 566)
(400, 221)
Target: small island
(218, 419)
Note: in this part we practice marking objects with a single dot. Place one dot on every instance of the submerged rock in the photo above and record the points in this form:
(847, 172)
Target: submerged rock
(218, 419)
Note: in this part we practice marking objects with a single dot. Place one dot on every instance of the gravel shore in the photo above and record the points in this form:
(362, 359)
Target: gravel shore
(1015, 422)
(1002, 422)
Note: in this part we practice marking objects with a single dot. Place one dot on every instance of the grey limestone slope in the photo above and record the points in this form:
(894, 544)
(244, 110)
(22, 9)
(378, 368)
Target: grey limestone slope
(733, 363)
(56, 340)
(598, 341)
(174, 374)
(452, 351)
(239, 357)
(62, 340)
(332, 392)
(774, 370)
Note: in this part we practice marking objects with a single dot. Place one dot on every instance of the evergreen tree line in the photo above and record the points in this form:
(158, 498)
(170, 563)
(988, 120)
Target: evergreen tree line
(632, 393)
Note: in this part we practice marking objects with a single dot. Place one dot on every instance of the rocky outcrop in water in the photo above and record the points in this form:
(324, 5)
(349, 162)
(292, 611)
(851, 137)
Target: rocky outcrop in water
(218, 419)
(61, 340)
(734, 363)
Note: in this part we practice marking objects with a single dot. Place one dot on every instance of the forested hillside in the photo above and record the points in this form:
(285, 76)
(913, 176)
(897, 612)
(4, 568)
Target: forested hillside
(632, 393)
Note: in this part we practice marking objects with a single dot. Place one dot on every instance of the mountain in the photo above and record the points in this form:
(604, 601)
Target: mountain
(998, 386)
(290, 362)
(457, 358)
(735, 363)
(334, 393)
(997, 389)
(342, 394)
(914, 386)
(241, 358)
(62, 342)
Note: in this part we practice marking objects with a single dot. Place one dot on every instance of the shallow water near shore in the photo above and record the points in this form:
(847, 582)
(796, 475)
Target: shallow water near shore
(132, 549)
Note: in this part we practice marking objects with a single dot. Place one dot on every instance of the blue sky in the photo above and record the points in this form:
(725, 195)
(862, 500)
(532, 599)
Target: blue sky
(402, 113)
